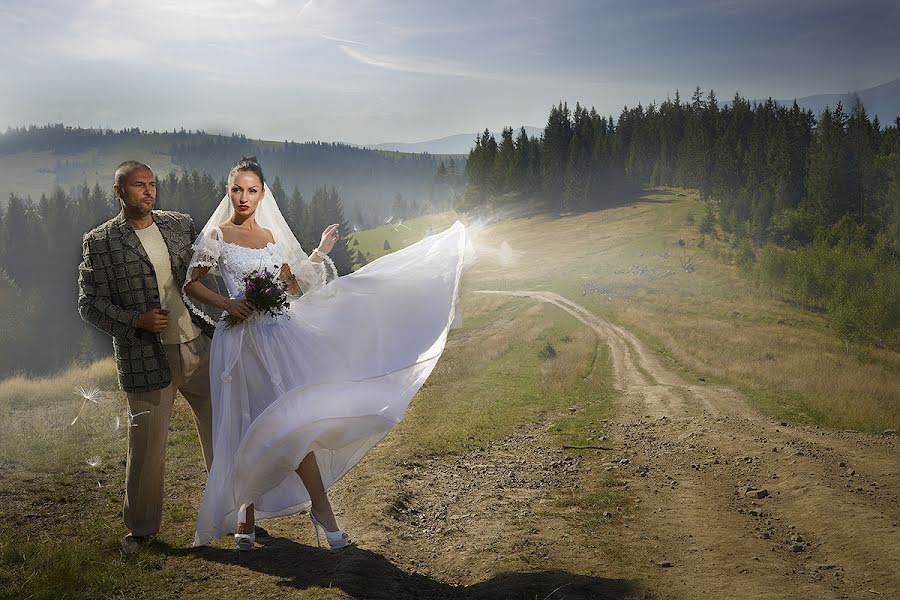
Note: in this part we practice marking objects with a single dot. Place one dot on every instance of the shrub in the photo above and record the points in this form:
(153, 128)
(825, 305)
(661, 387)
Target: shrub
(810, 275)
(744, 256)
(771, 268)
(708, 223)
(548, 352)
(792, 227)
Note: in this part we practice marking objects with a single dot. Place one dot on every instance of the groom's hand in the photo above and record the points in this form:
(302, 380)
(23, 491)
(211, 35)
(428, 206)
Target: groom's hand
(154, 320)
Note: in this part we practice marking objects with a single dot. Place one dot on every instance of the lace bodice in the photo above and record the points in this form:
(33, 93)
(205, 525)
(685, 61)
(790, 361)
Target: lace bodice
(235, 262)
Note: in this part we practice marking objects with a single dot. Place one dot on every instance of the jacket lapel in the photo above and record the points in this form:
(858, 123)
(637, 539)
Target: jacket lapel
(173, 244)
(130, 238)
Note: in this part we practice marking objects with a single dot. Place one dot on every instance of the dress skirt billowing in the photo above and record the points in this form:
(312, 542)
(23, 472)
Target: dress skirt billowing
(332, 379)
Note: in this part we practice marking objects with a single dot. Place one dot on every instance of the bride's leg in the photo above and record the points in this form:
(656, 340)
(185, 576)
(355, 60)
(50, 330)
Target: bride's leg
(312, 479)
(249, 521)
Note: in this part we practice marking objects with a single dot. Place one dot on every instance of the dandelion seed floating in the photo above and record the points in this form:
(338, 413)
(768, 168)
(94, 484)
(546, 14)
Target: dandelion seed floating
(92, 394)
(131, 417)
(94, 461)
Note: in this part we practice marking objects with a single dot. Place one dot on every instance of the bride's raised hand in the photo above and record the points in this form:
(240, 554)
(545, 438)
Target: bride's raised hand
(238, 308)
(329, 237)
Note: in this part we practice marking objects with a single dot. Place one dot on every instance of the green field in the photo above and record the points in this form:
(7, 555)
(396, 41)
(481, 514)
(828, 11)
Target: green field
(371, 241)
(36, 173)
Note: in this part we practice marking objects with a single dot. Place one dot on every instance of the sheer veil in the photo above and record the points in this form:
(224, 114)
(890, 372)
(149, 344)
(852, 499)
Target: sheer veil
(311, 275)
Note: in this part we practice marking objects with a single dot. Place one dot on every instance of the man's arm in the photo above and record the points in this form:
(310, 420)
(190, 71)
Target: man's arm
(94, 304)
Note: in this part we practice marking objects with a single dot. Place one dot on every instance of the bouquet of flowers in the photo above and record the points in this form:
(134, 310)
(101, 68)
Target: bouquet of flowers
(265, 291)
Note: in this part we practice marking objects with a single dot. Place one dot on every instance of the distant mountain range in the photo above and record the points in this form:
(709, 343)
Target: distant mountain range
(882, 100)
(452, 144)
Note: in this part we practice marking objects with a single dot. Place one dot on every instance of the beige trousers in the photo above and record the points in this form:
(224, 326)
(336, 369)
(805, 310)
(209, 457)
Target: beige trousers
(145, 464)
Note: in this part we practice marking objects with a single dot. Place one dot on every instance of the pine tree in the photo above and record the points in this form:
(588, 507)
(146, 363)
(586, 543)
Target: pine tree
(829, 166)
(504, 167)
(862, 142)
(555, 153)
(22, 241)
(295, 214)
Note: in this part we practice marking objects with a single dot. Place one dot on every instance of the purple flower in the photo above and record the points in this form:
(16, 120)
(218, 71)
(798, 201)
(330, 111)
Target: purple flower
(266, 292)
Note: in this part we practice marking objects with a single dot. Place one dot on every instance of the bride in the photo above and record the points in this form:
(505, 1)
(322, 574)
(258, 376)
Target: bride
(300, 398)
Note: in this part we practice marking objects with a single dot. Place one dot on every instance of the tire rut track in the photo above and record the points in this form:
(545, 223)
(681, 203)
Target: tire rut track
(829, 526)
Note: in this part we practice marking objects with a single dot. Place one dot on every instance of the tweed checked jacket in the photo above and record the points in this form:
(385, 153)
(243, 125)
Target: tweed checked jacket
(117, 283)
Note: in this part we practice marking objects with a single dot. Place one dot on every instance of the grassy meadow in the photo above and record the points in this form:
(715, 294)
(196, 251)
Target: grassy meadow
(511, 363)
(371, 241)
(34, 173)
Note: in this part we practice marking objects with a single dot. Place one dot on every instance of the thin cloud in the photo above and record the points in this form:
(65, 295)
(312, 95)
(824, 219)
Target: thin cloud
(332, 38)
(306, 6)
(423, 65)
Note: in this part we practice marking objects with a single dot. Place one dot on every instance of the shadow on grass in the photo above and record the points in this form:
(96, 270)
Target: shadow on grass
(362, 573)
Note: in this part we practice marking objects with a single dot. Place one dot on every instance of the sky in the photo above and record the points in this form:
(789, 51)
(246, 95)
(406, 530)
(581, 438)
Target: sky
(368, 72)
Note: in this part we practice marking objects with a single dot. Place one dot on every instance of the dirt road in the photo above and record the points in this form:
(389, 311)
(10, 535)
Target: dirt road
(730, 503)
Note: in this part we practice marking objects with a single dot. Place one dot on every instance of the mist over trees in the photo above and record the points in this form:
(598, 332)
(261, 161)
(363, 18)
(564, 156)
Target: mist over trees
(810, 204)
(367, 180)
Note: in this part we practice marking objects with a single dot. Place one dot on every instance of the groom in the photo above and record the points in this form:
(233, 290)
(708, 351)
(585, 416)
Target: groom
(130, 283)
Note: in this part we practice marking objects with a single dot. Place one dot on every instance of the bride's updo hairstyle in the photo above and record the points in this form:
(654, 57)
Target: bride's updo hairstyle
(247, 163)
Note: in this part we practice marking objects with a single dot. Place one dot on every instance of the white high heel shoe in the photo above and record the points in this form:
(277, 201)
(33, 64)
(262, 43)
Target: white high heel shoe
(244, 541)
(336, 539)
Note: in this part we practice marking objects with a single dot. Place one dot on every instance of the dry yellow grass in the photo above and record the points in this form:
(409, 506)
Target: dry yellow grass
(20, 391)
(37, 414)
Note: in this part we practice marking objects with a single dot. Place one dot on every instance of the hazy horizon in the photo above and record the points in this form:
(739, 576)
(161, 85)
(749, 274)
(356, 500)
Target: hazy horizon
(365, 73)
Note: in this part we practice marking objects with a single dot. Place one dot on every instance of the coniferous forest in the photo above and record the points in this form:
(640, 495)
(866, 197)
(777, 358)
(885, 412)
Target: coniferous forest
(809, 205)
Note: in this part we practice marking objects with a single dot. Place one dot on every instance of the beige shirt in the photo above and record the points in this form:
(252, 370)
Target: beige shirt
(180, 328)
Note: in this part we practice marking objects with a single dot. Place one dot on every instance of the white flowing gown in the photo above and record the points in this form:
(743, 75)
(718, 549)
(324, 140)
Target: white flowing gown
(332, 375)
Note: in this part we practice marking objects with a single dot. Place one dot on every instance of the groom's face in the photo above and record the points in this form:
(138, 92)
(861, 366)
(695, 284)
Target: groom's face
(138, 193)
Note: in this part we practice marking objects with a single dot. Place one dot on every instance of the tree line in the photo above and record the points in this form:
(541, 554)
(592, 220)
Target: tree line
(809, 203)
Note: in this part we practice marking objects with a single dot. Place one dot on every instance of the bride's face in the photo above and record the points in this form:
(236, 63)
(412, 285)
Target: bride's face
(245, 190)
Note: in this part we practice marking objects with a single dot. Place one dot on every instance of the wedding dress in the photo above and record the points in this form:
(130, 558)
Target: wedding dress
(332, 375)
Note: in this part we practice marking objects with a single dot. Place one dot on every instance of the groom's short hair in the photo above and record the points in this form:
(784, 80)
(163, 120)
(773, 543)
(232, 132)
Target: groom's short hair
(127, 168)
